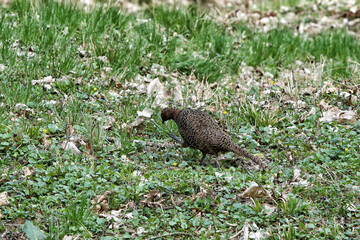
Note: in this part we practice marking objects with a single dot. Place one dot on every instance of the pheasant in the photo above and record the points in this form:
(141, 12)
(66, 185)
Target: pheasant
(200, 131)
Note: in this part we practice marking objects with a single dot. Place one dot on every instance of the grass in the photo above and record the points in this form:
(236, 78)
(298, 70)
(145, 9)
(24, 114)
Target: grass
(158, 188)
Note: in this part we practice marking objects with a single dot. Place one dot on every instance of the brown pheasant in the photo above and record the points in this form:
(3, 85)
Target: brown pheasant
(199, 130)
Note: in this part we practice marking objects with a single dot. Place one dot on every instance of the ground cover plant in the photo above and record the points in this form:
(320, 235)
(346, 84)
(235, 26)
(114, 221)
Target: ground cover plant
(83, 152)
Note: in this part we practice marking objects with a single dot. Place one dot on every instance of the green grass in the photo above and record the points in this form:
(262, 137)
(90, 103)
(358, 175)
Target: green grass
(66, 42)
(276, 4)
(201, 46)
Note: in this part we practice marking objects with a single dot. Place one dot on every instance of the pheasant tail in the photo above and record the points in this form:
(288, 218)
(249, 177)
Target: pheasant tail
(242, 152)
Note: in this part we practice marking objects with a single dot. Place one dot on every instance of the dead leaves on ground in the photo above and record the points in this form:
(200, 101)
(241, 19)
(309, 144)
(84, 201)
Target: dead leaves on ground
(333, 113)
(254, 191)
(140, 118)
(4, 199)
(331, 14)
(250, 231)
(101, 203)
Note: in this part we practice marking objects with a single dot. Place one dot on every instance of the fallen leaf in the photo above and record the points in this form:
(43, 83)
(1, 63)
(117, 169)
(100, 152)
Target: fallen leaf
(245, 229)
(329, 88)
(147, 113)
(103, 59)
(154, 86)
(347, 117)
(45, 141)
(45, 80)
(269, 208)
(105, 71)
(296, 174)
(129, 215)
(301, 182)
(138, 120)
(114, 94)
(76, 237)
(4, 199)
(23, 109)
(259, 234)
(28, 171)
(115, 216)
(142, 115)
(204, 192)
(158, 88)
(178, 93)
(152, 195)
(203, 91)
(65, 31)
(68, 145)
(2, 67)
(78, 80)
(335, 114)
(312, 111)
(101, 203)
(140, 230)
(254, 191)
(139, 174)
(109, 120)
(103, 196)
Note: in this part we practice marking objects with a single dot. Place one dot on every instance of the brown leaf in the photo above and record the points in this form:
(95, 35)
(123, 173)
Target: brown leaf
(129, 205)
(114, 215)
(45, 80)
(109, 122)
(67, 145)
(152, 195)
(28, 171)
(335, 114)
(102, 197)
(4, 199)
(45, 141)
(78, 80)
(101, 203)
(254, 191)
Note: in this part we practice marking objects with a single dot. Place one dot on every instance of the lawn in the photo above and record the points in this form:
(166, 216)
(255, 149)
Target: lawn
(83, 151)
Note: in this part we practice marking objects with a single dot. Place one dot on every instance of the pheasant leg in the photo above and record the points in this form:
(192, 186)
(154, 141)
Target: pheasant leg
(202, 159)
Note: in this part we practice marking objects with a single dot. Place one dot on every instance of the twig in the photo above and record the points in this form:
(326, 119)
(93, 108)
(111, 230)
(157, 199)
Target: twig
(106, 227)
(215, 228)
(231, 224)
(173, 201)
(237, 234)
(170, 234)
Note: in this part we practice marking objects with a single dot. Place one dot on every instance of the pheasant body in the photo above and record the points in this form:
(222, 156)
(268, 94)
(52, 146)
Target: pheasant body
(200, 131)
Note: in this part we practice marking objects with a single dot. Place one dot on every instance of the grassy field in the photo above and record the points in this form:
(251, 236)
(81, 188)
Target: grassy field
(78, 158)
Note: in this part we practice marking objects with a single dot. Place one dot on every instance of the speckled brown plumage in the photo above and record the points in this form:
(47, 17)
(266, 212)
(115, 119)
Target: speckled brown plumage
(199, 130)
